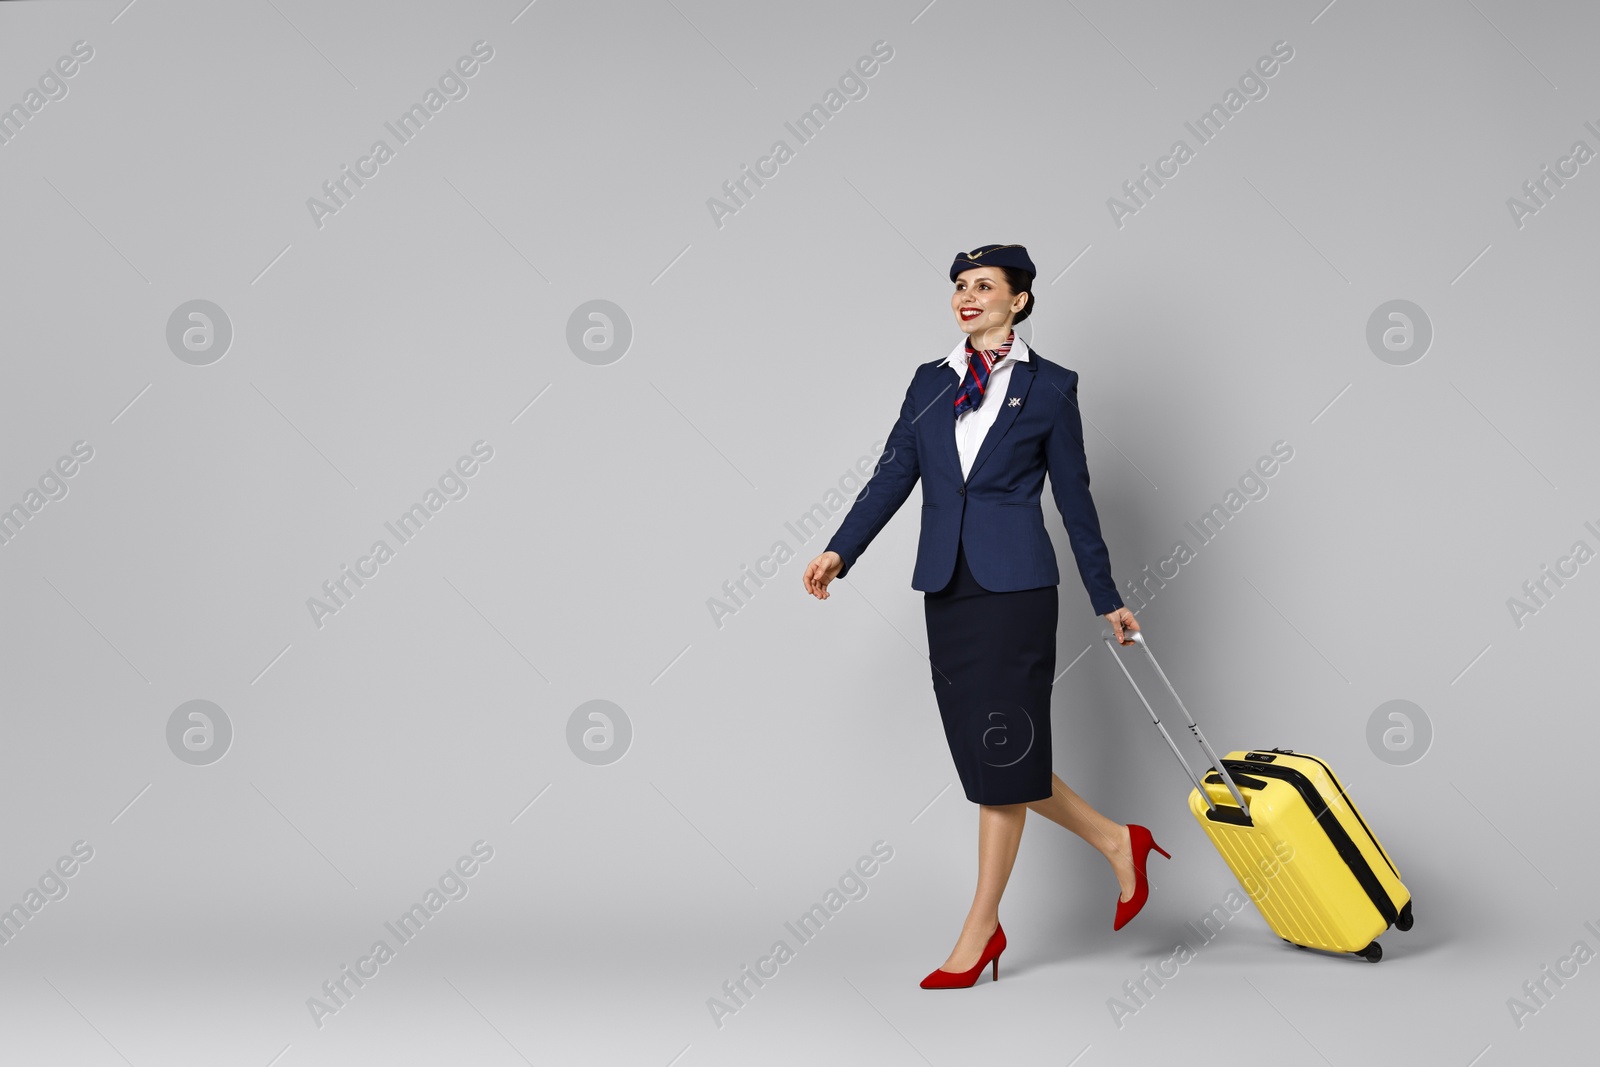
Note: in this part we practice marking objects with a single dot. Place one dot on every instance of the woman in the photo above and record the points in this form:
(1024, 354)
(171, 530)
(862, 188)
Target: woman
(981, 428)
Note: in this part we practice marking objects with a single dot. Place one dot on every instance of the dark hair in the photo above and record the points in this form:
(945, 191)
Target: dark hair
(1020, 281)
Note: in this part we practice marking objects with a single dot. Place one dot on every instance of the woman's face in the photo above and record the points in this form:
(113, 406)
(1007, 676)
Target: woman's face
(983, 301)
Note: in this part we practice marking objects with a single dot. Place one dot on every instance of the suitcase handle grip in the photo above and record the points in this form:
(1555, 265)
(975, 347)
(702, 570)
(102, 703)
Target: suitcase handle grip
(1194, 727)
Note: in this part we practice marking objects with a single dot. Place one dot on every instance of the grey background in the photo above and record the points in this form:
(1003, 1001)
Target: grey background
(768, 355)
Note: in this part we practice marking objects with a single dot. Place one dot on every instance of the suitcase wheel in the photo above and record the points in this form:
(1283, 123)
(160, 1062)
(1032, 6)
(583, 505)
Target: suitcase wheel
(1403, 921)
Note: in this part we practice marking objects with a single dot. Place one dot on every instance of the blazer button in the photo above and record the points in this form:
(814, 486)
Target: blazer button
(962, 491)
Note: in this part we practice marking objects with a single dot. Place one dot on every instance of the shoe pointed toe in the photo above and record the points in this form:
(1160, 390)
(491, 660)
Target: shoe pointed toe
(939, 978)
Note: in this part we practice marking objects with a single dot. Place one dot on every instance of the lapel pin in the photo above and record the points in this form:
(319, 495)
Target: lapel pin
(1016, 401)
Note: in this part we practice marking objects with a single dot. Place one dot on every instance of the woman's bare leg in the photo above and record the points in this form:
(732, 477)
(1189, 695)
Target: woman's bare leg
(999, 834)
(1110, 838)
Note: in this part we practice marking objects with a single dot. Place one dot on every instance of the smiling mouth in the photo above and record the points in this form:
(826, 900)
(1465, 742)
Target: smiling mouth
(968, 314)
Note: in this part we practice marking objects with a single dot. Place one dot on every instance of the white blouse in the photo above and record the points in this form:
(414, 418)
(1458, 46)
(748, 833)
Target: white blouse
(972, 425)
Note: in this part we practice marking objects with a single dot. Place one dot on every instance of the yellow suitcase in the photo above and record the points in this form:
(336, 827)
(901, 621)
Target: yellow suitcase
(1293, 838)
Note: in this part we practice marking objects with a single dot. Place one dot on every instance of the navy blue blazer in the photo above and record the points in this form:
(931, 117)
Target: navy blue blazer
(995, 510)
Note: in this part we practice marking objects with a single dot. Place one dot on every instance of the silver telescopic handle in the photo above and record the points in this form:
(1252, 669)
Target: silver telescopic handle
(1194, 727)
(1195, 778)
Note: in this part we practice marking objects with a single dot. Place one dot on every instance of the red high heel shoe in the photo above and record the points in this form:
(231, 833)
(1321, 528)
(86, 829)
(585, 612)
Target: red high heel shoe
(1140, 840)
(943, 979)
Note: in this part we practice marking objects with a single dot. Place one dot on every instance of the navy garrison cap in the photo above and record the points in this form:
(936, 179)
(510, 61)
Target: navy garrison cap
(992, 256)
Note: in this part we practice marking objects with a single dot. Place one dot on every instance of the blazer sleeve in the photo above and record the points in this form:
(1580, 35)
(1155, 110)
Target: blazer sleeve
(1069, 481)
(892, 481)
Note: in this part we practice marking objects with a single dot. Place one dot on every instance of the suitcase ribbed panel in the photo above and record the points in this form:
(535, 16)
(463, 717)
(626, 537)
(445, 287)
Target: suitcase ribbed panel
(1291, 903)
(1286, 906)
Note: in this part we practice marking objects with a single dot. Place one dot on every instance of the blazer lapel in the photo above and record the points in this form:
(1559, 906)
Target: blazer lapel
(1021, 381)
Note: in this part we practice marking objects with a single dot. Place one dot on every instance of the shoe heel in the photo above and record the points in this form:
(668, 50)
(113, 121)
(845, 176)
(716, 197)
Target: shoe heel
(1161, 850)
(996, 971)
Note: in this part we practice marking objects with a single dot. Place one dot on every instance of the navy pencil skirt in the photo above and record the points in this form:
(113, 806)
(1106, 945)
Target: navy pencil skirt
(993, 659)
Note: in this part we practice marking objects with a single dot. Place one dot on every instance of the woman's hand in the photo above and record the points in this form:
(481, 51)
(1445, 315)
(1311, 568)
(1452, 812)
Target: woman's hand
(1120, 620)
(820, 571)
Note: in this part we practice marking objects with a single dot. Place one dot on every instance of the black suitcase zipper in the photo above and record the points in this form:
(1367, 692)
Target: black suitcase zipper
(1334, 778)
